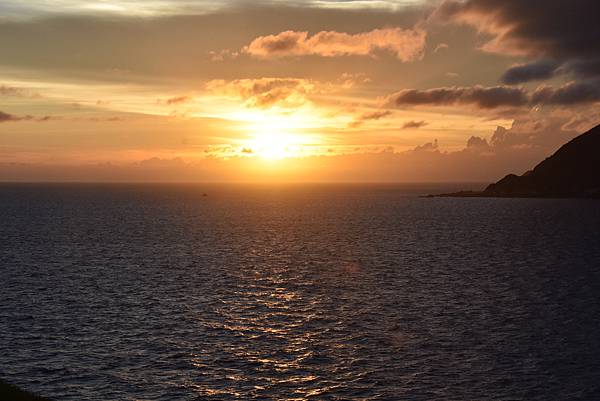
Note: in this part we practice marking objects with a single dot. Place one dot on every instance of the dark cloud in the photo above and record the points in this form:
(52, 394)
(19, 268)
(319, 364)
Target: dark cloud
(555, 29)
(414, 124)
(503, 97)
(589, 68)
(565, 31)
(569, 94)
(536, 71)
(479, 96)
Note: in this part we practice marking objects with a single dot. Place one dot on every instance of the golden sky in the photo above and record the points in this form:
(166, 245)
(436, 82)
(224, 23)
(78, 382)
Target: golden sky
(195, 90)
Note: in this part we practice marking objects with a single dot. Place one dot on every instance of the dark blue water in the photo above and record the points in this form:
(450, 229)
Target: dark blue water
(297, 292)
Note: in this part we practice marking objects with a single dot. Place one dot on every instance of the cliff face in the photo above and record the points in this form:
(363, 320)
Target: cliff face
(573, 171)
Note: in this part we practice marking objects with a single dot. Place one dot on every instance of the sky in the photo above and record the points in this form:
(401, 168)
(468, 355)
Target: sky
(295, 91)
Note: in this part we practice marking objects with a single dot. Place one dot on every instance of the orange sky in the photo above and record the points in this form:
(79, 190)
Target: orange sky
(290, 91)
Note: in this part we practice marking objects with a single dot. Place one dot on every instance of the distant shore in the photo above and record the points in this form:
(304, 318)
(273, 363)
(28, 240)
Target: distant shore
(484, 194)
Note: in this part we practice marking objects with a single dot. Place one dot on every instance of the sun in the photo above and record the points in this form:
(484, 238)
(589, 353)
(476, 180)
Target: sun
(274, 145)
(273, 137)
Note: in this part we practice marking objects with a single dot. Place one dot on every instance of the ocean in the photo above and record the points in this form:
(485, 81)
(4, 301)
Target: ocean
(294, 292)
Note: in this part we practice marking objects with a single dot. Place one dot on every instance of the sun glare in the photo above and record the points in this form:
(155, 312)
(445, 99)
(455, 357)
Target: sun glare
(274, 145)
(271, 137)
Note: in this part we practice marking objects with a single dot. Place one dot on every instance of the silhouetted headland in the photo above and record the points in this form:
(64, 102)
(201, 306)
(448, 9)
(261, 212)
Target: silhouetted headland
(12, 393)
(573, 171)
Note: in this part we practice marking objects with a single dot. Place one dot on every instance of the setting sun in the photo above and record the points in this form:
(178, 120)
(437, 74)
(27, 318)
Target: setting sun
(274, 145)
(275, 136)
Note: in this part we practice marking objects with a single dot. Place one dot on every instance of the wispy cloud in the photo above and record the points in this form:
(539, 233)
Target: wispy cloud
(479, 96)
(414, 124)
(7, 117)
(370, 116)
(178, 100)
(6, 90)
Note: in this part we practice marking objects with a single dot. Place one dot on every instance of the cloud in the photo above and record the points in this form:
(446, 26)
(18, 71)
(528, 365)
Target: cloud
(539, 70)
(414, 124)
(572, 93)
(566, 32)
(265, 92)
(98, 119)
(479, 96)
(6, 117)
(156, 8)
(569, 94)
(16, 92)
(440, 47)
(535, 28)
(10, 91)
(477, 143)
(546, 131)
(523, 134)
(404, 44)
(348, 80)
(178, 100)
(370, 116)
(428, 147)
(223, 55)
(589, 68)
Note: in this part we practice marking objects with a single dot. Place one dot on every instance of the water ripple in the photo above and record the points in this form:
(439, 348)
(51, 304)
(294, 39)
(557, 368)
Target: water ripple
(296, 293)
